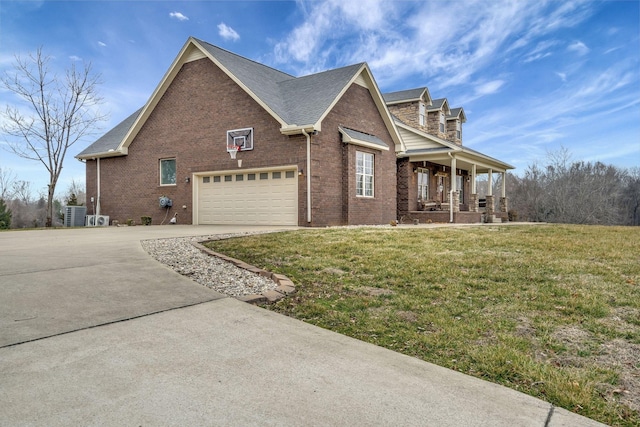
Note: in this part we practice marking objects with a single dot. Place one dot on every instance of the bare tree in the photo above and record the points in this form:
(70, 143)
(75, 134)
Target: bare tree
(53, 115)
(7, 180)
(22, 191)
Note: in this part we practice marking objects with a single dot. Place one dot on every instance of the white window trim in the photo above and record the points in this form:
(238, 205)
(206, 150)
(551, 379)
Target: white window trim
(422, 114)
(176, 177)
(364, 175)
(426, 172)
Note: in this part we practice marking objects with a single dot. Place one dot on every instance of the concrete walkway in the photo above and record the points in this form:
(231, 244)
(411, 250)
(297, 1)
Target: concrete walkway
(95, 332)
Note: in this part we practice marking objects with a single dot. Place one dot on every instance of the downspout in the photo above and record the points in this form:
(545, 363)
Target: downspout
(98, 187)
(308, 175)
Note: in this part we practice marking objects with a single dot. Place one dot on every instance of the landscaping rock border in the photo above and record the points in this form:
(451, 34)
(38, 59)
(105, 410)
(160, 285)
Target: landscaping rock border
(284, 285)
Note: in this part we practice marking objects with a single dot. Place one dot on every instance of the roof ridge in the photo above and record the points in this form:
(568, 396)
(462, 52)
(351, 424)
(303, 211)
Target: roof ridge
(245, 58)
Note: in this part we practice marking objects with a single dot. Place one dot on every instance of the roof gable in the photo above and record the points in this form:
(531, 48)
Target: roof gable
(409, 95)
(457, 114)
(296, 103)
(440, 104)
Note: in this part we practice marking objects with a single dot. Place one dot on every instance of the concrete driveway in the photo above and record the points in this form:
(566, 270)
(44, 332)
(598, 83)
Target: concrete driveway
(95, 332)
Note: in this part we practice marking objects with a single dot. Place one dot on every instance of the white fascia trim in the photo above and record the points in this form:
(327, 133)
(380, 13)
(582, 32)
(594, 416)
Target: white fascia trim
(297, 130)
(111, 153)
(157, 94)
(384, 110)
(239, 83)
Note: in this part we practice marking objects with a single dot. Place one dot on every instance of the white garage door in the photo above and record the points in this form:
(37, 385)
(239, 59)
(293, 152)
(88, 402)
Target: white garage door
(263, 198)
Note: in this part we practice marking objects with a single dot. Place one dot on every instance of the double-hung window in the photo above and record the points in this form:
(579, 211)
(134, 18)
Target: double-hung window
(421, 114)
(364, 174)
(168, 172)
(423, 184)
(458, 129)
(441, 122)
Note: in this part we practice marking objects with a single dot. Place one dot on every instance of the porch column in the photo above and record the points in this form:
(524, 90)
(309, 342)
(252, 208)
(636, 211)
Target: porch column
(474, 205)
(474, 189)
(490, 181)
(490, 210)
(455, 195)
(504, 206)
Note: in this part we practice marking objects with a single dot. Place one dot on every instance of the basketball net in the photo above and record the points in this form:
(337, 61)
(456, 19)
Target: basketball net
(233, 151)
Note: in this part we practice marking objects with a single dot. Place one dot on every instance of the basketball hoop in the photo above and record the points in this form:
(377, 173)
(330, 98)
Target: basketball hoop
(233, 151)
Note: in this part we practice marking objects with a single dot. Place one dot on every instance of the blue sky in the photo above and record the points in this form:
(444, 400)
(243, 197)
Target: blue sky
(531, 75)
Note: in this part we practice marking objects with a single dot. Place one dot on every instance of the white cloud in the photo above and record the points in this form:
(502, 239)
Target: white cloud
(489, 88)
(103, 44)
(179, 16)
(578, 47)
(444, 45)
(227, 32)
(563, 76)
(75, 58)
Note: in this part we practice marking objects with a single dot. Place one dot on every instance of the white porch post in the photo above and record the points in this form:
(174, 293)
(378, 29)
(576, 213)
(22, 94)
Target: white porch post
(490, 180)
(504, 184)
(473, 179)
(454, 181)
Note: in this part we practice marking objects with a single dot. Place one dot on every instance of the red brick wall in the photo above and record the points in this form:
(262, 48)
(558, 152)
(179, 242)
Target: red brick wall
(190, 123)
(335, 162)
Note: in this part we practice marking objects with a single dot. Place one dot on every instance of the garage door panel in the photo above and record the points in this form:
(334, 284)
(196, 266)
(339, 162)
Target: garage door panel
(243, 201)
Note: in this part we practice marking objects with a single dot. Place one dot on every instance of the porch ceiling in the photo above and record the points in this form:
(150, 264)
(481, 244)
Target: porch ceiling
(463, 161)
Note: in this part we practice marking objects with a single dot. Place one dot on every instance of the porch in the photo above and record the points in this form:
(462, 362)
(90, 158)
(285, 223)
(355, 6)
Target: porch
(444, 189)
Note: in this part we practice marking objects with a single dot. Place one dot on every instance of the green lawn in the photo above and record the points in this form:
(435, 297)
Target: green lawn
(549, 310)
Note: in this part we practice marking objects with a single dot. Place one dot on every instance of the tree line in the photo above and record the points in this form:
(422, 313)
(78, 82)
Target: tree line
(20, 207)
(575, 192)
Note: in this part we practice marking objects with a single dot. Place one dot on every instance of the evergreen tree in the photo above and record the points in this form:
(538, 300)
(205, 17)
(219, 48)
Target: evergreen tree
(5, 216)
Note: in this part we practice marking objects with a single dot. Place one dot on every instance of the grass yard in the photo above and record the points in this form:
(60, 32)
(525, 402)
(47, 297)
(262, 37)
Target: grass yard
(549, 310)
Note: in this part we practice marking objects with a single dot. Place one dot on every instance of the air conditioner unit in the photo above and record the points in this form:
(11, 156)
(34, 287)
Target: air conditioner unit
(74, 216)
(90, 221)
(102, 220)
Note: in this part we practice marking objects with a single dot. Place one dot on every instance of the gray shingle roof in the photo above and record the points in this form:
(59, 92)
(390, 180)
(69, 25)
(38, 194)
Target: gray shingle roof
(403, 95)
(372, 139)
(260, 79)
(308, 97)
(111, 139)
(296, 100)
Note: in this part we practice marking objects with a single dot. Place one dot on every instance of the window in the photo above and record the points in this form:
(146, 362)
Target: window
(460, 185)
(264, 175)
(251, 177)
(423, 184)
(206, 179)
(276, 175)
(168, 172)
(239, 177)
(441, 122)
(458, 129)
(228, 178)
(364, 174)
(289, 174)
(421, 114)
(216, 178)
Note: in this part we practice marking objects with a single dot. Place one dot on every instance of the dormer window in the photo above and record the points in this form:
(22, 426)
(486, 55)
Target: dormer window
(421, 114)
(458, 129)
(441, 122)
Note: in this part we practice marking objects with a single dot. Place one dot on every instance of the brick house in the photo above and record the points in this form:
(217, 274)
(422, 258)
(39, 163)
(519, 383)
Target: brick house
(226, 140)
(436, 173)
